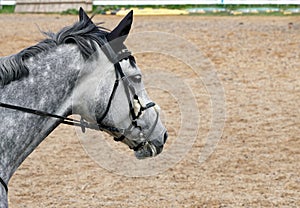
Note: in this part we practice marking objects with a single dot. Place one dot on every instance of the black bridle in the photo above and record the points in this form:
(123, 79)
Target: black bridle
(129, 90)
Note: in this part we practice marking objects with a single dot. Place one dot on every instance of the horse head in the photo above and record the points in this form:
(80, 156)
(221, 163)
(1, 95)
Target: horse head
(111, 93)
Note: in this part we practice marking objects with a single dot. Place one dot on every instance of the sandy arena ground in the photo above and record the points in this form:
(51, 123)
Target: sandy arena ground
(255, 164)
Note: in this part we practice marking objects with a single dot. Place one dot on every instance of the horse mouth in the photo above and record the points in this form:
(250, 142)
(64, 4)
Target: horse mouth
(147, 150)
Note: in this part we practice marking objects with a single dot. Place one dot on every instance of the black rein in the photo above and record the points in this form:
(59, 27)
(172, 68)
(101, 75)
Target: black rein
(65, 120)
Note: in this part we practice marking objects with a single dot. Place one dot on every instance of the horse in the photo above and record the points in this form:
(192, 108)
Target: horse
(86, 70)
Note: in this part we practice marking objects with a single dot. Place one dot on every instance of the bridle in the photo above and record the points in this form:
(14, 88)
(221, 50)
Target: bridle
(129, 90)
(135, 113)
(133, 104)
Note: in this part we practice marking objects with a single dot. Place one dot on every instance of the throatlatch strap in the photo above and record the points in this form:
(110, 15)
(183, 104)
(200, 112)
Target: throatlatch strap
(3, 184)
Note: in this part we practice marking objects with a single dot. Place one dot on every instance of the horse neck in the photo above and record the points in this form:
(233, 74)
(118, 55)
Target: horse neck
(3, 198)
(48, 87)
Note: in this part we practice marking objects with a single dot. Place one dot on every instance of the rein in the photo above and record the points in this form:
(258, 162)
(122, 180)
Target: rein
(64, 120)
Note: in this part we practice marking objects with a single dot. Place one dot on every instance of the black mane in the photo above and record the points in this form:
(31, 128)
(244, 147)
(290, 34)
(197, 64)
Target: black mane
(85, 34)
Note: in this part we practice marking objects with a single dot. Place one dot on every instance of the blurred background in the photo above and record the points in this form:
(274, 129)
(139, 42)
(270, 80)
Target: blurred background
(154, 7)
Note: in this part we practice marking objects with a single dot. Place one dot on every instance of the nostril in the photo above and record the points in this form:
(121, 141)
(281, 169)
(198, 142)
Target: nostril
(165, 137)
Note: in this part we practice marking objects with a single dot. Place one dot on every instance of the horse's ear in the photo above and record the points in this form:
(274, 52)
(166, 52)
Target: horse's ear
(122, 30)
(83, 16)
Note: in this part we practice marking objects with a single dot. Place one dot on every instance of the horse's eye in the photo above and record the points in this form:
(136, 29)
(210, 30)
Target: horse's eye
(137, 78)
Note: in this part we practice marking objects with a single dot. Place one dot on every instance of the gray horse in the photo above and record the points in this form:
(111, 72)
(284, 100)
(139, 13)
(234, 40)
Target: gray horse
(84, 70)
